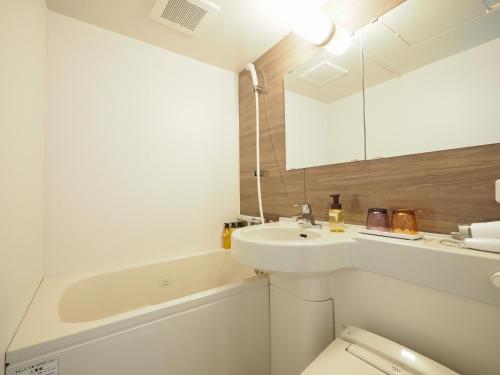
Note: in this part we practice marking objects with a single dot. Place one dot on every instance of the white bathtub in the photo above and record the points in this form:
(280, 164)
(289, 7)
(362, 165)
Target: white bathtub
(203, 314)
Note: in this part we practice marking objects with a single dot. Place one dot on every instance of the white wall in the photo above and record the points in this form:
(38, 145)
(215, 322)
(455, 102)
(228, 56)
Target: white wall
(23, 58)
(449, 104)
(346, 129)
(142, 143)
(307, 122)
(319, 133)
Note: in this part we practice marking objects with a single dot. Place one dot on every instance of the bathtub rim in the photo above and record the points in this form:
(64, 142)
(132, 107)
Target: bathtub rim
(19, 352)
(84, 275)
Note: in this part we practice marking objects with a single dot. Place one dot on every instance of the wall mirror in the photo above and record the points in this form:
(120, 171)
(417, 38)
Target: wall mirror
(324, 109)
(435, 84)
(431, 82)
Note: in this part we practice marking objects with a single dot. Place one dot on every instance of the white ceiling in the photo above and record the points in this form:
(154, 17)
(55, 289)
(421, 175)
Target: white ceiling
(241, 32)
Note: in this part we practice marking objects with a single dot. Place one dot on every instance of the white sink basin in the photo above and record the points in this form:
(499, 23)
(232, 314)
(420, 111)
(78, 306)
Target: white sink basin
(288, 248)
(279, 234)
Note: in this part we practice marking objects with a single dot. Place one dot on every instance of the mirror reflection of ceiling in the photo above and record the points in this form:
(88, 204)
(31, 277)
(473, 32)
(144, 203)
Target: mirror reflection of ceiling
(412, 35)
(326, 77)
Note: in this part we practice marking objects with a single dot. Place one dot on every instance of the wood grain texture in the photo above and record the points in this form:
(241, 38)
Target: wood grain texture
(449, 187)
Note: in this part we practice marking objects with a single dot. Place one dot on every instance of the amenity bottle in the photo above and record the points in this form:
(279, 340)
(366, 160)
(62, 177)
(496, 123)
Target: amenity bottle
(226, 237)
(336, 214)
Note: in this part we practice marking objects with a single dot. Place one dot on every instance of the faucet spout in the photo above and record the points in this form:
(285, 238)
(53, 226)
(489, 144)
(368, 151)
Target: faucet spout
(307, 217)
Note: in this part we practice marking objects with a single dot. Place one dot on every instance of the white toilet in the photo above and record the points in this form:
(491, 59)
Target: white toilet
(359, 352)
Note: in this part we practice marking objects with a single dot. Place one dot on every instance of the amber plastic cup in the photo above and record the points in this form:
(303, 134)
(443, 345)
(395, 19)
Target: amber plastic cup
(378, 219)
(404, 221)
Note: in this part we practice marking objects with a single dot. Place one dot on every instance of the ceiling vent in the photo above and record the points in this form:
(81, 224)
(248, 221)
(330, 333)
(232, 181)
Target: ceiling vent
(322, 73)
(188, 16)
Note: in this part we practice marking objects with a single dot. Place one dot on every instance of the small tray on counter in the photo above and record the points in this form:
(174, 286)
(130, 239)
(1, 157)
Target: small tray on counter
(403, 236)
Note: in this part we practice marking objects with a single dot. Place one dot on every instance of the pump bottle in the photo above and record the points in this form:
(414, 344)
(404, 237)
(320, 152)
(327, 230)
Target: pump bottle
(336, 214)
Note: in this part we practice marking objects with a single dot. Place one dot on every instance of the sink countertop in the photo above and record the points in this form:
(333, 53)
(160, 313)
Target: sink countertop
(425, 261)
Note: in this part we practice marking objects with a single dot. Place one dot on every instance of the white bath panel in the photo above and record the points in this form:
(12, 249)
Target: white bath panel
(228, 336)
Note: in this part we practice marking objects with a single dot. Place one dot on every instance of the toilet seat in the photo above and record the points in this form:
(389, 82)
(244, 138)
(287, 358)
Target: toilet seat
(360, 352)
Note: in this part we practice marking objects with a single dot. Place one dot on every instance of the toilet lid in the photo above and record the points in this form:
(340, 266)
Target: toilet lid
(335, 359)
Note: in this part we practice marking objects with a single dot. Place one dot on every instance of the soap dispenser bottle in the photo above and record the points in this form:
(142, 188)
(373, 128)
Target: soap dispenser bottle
(336, 214)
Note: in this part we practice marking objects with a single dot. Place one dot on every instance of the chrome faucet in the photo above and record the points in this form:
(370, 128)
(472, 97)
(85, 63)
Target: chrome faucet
(307, 217)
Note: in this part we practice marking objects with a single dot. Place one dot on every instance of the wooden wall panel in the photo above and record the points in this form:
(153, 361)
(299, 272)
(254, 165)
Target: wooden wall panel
(449, 187)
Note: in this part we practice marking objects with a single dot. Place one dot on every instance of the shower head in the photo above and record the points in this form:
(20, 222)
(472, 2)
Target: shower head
(251, 69)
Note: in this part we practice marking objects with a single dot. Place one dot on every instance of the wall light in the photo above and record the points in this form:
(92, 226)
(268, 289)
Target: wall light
(318, 29)
(340, 42)
(305, 18)
(314, 27)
